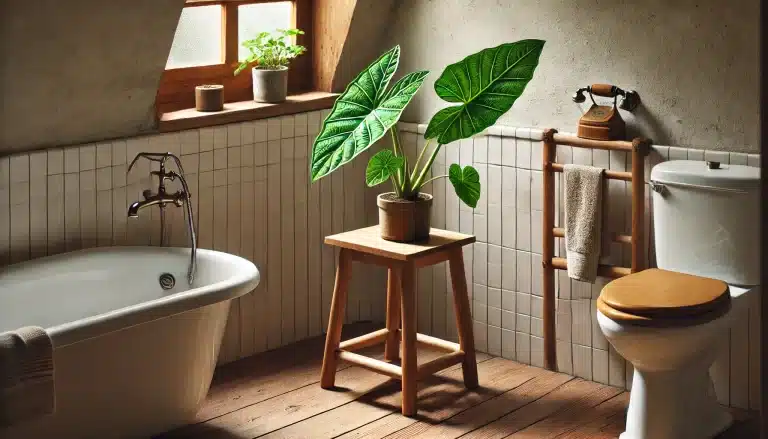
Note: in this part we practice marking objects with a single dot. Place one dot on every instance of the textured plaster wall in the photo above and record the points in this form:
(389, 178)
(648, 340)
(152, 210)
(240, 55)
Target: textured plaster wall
(695, 63)
(368, 33)
(76, 71)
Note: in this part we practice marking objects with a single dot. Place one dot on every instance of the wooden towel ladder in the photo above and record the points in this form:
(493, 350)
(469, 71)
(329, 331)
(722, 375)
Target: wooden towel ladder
(638, 148)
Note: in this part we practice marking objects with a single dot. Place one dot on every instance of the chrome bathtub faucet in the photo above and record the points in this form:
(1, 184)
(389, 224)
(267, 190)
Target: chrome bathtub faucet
(162, 198)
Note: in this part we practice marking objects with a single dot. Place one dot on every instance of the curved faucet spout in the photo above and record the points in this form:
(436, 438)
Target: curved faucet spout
(133, 209)
(162, 199)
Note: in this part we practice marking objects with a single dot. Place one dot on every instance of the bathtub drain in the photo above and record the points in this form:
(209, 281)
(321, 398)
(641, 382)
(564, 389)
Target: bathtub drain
(167, 281)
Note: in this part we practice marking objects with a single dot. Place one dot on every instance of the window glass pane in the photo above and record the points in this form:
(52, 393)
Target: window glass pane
(198, 38)
(261, 17)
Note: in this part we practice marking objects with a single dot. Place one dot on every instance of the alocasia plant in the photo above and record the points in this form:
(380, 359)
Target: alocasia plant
(483, 85)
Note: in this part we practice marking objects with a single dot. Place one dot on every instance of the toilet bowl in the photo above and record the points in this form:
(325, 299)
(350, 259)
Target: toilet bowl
(671, 348)
(670, 323)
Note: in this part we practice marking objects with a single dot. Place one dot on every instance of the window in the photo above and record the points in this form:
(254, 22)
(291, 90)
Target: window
(197, 41)
(206, 47)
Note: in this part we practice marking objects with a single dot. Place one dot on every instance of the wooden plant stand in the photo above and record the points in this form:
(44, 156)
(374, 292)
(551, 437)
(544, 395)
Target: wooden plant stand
(402, 260)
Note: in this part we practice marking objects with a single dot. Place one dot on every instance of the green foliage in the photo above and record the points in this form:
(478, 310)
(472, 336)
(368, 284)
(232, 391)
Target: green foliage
(382, 167)
(271, 50)
(363, 114)
(486, 84)
(466, 183)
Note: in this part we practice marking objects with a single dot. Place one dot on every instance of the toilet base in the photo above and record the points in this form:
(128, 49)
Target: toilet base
(674, 405)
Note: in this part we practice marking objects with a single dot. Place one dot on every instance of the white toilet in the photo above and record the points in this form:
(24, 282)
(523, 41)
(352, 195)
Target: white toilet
(670, 322)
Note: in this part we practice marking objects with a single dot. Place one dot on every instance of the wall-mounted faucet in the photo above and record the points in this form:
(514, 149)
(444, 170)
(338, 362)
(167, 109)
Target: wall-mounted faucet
(162, 198)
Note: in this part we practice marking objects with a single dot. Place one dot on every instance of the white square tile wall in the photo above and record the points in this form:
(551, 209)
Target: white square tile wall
(252, 197)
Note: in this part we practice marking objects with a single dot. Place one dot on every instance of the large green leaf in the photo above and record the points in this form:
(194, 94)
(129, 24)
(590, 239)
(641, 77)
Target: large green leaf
(363, 114)
(466, 183)
(486, 84)
(382, 166)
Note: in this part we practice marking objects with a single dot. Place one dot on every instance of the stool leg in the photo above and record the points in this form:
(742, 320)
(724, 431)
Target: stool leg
(394, 285)
(336, 320)
(409, 363)
(463, 318)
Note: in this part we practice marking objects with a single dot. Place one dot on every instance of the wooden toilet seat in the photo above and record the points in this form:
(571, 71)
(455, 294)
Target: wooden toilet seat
(661, 298)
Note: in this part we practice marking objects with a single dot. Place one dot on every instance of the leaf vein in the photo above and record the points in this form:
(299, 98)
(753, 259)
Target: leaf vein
(458, 86)
(469, 116)
(486, 106)
(337, 135)
(356, 103)
(364, 92)
(451, 92)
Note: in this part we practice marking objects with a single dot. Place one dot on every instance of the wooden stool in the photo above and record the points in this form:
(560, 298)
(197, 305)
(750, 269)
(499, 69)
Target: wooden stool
(402, 260)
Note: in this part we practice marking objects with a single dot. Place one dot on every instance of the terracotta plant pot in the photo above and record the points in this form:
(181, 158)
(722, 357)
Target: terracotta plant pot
(270, 86)
(404, 221)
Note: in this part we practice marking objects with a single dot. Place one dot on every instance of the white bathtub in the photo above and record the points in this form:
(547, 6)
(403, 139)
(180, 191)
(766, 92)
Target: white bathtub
(131, 359)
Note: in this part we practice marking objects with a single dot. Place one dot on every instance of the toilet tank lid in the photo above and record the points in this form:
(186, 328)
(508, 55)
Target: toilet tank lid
(698, 173)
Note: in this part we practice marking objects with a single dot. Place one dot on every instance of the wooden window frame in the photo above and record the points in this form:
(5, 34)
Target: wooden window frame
(176, 89)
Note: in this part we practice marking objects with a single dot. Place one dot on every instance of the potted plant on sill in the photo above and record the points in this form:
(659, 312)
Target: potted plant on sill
(270, 55)
(484, 86)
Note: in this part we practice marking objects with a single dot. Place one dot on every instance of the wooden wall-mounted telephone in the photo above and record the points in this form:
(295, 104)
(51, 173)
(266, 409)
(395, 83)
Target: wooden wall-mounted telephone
(603, 122)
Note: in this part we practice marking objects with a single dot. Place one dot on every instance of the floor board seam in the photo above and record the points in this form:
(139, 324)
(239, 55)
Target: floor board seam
(415, 421)
(454, 367)
(560, 410)
(254, 404)
(356, 328)
(517, 409)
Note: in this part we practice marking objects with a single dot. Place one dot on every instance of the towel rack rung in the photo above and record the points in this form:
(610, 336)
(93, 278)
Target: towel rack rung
(611, 271)
(559, 232)
(578, 142)
(611, 175)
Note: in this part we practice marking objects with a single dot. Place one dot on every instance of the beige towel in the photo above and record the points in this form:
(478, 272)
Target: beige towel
(583, 220)
(26, 375)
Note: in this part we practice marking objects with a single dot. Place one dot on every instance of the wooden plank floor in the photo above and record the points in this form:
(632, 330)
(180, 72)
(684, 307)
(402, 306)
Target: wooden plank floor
(277, 395)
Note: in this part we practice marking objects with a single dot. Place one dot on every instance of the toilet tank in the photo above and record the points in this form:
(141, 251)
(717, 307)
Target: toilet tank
(706, 220)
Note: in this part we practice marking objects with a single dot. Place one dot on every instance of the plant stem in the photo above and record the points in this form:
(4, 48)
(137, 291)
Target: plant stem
(395, 141)
(405, 181)
(433, 178)
(396, 186)
(397, 179)
(418, 160)
(418, 183)
(402, 174)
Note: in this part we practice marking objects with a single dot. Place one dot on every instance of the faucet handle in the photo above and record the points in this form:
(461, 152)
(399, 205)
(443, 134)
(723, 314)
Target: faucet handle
(151, 156)
(163, 175)
(159, 157)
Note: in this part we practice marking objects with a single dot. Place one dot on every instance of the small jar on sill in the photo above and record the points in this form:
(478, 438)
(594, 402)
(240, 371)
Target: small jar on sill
(209, 98)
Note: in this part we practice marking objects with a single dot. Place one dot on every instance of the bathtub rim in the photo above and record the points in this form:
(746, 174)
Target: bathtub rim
(245, 279)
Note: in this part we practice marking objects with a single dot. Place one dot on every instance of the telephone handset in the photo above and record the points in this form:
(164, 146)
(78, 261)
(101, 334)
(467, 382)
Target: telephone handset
(604, 122)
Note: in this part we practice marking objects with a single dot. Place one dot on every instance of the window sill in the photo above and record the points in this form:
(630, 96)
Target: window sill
(245, 111)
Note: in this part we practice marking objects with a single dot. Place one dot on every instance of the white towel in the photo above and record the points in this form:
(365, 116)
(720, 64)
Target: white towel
(26, 375)
(583, 220)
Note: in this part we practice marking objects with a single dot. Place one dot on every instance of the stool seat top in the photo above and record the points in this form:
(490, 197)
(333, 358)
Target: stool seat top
(368, 240)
